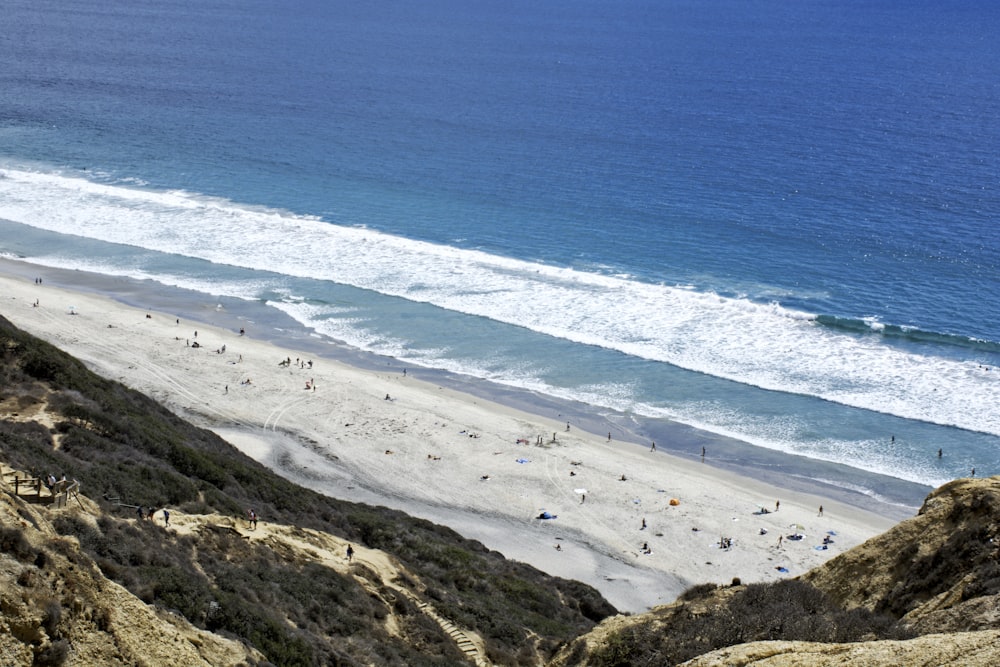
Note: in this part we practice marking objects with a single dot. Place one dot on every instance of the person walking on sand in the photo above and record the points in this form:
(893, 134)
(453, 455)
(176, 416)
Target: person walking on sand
(350, 553)
(821, 510)
(166, 517)
(653, 447)
(777, 504)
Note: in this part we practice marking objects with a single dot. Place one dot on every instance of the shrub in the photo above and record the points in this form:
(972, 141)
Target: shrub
(53, 655)
(13, 542)
(51, 617)
(787, 610)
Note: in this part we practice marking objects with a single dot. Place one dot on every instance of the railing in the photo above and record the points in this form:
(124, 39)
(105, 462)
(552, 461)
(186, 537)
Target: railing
(30, 489)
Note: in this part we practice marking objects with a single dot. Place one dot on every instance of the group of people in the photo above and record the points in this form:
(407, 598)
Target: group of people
(149, 514)
(55, 485)
(301, 363)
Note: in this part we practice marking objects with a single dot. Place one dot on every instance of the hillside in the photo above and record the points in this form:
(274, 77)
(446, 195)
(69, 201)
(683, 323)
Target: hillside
(416, 593)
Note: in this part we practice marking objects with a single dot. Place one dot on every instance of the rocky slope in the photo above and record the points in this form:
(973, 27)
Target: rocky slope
(939, 571)
(56, 607)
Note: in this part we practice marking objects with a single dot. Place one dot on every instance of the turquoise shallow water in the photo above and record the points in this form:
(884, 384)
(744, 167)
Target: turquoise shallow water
(773, 223)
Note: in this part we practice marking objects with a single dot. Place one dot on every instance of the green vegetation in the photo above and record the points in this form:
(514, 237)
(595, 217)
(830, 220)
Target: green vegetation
(121, 444)
(788, 610)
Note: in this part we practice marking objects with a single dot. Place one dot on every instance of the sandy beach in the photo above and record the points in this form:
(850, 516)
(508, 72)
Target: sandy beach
(486, 470)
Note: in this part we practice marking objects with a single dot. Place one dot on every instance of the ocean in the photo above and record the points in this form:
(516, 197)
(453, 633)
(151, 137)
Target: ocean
(774, 224)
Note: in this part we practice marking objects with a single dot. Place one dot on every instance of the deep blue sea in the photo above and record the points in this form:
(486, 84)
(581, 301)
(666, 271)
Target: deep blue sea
(775, 221)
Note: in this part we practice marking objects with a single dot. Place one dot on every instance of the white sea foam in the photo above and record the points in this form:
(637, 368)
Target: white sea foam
(765, 345)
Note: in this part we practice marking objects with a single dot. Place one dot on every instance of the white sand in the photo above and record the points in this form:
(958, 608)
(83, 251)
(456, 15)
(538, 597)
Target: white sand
(346, 440)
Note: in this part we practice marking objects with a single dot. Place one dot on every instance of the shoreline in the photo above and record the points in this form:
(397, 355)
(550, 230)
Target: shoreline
(894, 497)
(414, 452)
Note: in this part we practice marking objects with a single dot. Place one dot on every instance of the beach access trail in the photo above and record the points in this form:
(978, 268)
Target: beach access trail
(485, 470)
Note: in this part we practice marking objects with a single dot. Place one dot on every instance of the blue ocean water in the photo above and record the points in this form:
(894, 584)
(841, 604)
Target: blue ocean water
(772, 221)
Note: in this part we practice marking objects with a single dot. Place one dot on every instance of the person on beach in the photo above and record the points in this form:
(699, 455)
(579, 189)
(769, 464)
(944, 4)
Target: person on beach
(251, 519)
(350, 553)
(821, 510)
(609, 436)
(166, 517)
(653, 447)
(643, 524)
(777, 504)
